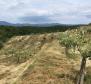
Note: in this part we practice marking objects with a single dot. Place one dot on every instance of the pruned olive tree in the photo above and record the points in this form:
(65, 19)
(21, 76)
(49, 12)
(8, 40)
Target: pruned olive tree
(82, 42)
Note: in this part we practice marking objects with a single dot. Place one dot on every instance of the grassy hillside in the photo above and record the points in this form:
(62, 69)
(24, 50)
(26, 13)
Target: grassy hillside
(35, 56)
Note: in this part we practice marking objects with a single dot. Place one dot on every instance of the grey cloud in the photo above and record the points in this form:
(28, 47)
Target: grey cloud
(17, 6)
(36, 19)
(88, 16)
(41, 11)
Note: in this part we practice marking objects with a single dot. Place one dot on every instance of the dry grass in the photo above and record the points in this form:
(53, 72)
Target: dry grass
(46, 61)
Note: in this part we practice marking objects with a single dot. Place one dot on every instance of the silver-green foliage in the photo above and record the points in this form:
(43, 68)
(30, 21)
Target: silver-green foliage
(77, 40)
(68, 40)
(19, 55)
(82, 42)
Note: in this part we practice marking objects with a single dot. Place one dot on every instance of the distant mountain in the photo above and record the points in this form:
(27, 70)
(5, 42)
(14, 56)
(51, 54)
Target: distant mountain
(46, 24)
(5, 23)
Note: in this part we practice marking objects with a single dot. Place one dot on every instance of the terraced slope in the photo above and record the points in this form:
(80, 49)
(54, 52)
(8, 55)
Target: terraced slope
(37, 59)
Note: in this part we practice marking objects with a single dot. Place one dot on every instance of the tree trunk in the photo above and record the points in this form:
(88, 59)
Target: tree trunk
(80, 77)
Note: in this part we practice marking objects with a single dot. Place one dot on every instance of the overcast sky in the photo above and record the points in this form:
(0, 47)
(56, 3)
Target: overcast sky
(46, 11)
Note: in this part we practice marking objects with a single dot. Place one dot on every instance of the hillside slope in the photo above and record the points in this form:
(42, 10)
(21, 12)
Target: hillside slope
(37, 59)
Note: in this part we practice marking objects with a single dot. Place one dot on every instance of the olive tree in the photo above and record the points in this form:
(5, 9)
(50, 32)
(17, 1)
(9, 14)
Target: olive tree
(80, 41)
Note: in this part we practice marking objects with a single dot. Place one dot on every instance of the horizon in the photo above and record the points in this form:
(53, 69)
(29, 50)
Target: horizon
(11, 23)
(42, 12)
